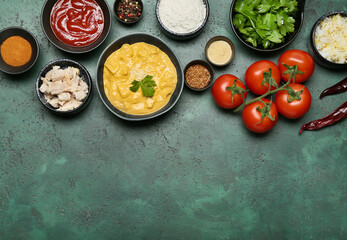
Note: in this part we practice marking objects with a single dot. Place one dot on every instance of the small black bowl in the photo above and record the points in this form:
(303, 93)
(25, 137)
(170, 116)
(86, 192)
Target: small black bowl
(313, 49)
(131, 39)
(206, 65)
(182, 36)
(220, 38)
(299, 19)
(46, 26)
(115, 6)
(64, 63)
(17, 31)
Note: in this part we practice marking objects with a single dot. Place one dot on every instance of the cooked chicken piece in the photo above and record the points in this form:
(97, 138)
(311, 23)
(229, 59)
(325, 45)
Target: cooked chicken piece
(64, 96)
(80, 95)
(69, 73)
(67, 86)
(45, 80)
(72, 104)
(61, 102)
(56, 88)
(58, 75)
(150, 102)
(83, 86)
(49, 74)
(63, 88)
(54, 102)
(74, 83)
(48, 97)
(44, 88)
(76, 71)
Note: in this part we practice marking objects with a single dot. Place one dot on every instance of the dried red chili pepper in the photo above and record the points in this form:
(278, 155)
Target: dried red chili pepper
(337, 115)
(339, 87)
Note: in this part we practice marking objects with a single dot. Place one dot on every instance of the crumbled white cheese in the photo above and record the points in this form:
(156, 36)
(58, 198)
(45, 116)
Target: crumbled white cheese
(331, 38)
(63, 88)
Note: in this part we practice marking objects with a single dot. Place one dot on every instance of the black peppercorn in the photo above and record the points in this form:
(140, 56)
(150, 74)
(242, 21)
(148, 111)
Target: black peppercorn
(129, 10)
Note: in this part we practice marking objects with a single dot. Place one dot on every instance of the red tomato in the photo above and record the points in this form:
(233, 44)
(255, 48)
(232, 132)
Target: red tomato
(255, 75)
(302, 59)
(298, 107)
(251, 116)
(225, 98)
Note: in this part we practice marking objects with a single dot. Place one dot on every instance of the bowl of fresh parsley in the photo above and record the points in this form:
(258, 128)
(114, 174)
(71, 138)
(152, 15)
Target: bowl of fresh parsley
(266, 26)
(146, 85)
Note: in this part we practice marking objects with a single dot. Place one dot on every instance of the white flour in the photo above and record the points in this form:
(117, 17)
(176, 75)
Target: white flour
(182, 16)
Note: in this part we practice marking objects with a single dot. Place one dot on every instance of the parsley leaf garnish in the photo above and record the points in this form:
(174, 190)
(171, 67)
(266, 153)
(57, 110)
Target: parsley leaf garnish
(265, 22)
(147, 86)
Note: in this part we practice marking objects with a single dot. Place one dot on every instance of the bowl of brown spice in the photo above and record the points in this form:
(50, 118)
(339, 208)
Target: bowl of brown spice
(19, 50)
(198, 75)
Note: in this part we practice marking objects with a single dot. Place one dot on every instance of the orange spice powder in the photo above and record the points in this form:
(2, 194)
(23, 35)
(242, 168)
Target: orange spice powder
(16, 51)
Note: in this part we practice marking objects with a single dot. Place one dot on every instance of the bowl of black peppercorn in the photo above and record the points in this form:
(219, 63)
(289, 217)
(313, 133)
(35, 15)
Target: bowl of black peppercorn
(128, 11)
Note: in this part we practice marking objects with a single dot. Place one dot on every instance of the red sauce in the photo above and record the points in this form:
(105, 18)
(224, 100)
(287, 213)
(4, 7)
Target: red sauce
(77, 23)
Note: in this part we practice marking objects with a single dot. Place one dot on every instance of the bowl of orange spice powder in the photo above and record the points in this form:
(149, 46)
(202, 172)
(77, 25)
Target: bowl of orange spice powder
(19, 50)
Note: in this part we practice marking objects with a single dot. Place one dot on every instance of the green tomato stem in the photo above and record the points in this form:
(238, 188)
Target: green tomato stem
(269, 92)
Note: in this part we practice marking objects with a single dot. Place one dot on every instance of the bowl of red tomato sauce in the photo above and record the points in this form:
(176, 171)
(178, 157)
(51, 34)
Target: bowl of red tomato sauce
(76, 26)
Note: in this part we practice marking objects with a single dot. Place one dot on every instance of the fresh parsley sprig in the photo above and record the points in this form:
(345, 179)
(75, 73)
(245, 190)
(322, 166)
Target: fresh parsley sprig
(147, 86)
(265, 22)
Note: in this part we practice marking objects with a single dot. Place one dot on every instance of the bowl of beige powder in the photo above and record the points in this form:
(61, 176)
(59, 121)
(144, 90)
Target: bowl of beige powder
(182, 19)
(220, 51)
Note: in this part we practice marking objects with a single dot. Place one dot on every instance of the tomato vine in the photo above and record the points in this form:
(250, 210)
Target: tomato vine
(292, 71)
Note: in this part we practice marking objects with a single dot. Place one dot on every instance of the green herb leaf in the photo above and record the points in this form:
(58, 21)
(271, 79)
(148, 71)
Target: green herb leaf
(269, 20)
(148, 81)
(265, 22)
(147, 86)
(275, 37)
(136, 85)
(264, 7)
(239, 21)
(289, 6)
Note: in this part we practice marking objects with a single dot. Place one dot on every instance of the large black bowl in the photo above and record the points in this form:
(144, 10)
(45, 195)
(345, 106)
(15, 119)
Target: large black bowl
(131, 39)
(17, 31)
(313, 49)
(182, 36)
(299, 19)
(46, 26)
(64, 63)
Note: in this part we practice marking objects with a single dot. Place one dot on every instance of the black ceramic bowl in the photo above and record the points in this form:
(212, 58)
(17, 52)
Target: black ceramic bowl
(220, 38)
(64, 63)
(313, 49)
(46, 26)
(131, 39)
(299, 19)
(17, 31)
(206, 65)
(182, 36)
(115, 10)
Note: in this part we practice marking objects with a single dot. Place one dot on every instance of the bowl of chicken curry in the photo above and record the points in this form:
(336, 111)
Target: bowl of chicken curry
(139, 77)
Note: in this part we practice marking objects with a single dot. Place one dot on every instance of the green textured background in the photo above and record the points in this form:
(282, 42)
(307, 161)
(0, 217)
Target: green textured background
(194, 173)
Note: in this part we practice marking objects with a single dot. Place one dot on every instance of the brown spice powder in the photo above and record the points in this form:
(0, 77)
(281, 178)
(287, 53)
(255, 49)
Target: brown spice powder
(16, 51)
(198, 76)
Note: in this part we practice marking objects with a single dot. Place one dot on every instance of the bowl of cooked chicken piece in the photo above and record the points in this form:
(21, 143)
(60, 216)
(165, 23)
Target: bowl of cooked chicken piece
(64, 86)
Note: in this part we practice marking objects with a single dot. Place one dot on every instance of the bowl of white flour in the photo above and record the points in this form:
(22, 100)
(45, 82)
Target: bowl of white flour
(182, 19)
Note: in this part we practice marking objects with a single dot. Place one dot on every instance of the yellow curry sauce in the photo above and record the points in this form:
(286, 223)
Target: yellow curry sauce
(134, 62)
